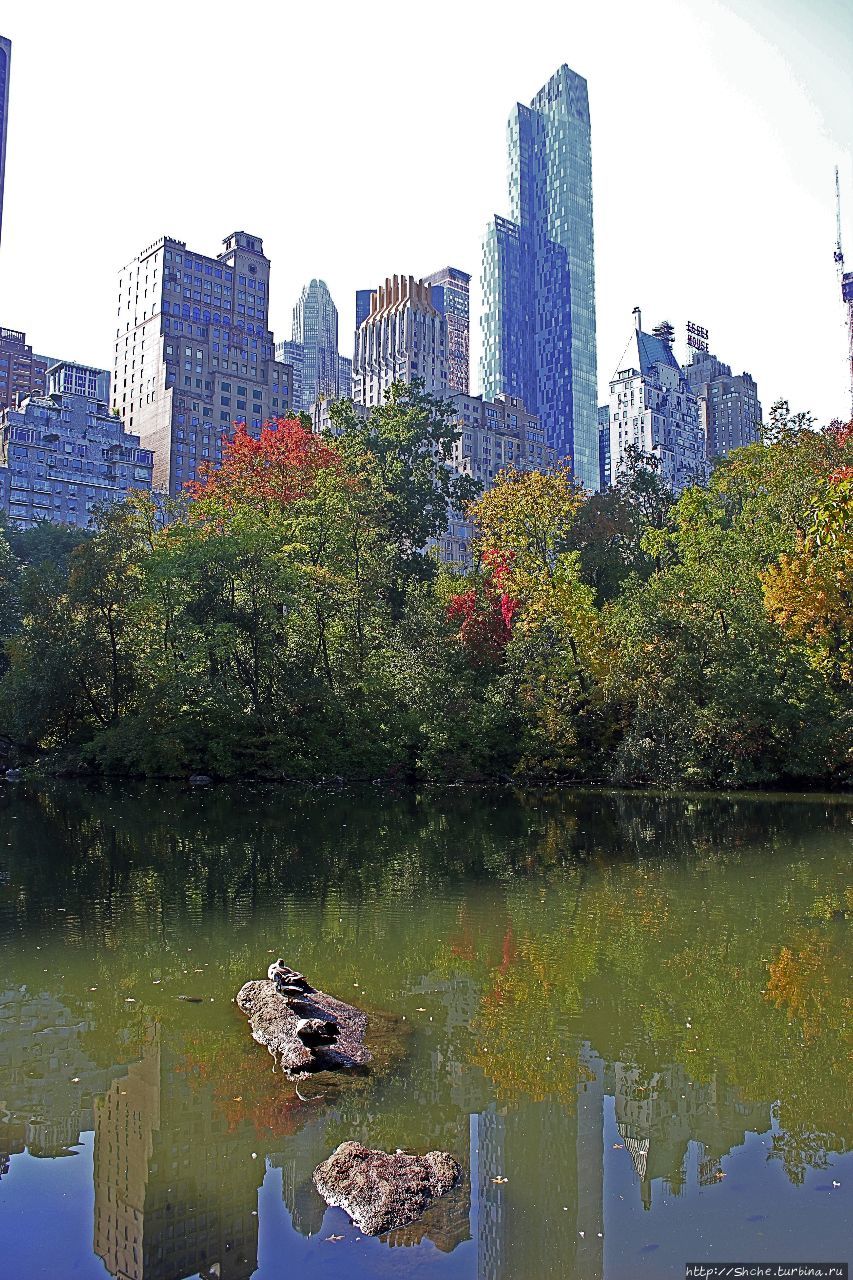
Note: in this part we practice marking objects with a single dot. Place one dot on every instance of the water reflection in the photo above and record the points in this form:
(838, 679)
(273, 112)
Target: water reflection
(596, 998)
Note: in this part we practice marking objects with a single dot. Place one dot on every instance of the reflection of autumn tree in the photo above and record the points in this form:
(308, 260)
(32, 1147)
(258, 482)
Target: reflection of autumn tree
(657, 962)
(800, 983)
(245, 1089)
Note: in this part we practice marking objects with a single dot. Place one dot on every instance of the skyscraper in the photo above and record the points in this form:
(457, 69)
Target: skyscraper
(603, 446)
(21, 372)
(450, 295)
(538, 279)
(64, 454)
(729, 408)
(293, 354)
(5, 65)
(404, 337)
(193, 352)
(315, 327)
(653, 409)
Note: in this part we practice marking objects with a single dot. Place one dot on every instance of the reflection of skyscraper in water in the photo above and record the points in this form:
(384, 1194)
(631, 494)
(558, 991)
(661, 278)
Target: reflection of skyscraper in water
(297, 1160)
(487, 1162)
(175, 1192)
(47, 1076)
(660, 1113)
(551, 1155)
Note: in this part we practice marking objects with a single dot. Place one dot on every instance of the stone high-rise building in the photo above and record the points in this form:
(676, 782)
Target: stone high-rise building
(5, 67)
(653, 408)
(403, 337)
(538, 319)
(293, 354)
(194, 353)
(729, 408)
(64, 454)
(451, 296)
(604, 446)
(493, 435)
(22, 373)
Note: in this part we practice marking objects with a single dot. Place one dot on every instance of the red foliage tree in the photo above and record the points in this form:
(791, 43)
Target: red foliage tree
(486, 616)
(279, 467)
(841, 434)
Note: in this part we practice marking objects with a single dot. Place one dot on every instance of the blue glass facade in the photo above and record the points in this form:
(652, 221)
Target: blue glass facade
(538, 322)
(451, 298)
(5, 61)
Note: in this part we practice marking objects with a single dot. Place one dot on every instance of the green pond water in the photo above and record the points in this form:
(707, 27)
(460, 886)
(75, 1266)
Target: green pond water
(626, 1015)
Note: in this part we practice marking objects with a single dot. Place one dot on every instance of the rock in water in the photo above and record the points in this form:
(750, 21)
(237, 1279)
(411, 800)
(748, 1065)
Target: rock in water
(381, 1192)
(305, 1030)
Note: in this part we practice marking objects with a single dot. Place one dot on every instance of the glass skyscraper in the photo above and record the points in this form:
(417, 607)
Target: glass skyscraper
(315, 327)
(538, 278)
(5, 61)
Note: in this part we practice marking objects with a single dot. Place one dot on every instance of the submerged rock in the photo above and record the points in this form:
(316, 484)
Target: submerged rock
(305, 1030)
(382, 1192)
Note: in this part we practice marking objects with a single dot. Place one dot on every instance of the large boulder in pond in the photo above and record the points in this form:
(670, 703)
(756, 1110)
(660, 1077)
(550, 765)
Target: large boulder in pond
(304, 1029)
(383, 1192)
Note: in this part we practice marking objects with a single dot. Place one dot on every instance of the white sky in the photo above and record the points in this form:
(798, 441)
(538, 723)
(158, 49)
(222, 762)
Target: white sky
(363, 139)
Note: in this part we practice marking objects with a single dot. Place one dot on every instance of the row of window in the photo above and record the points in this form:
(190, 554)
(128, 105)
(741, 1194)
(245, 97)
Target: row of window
(208, 268)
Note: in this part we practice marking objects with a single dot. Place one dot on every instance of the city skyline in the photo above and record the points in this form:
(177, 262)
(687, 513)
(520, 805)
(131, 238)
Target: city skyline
(730, 80)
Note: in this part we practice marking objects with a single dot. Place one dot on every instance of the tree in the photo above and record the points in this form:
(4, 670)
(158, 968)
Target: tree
(524, 526)
(610, 527)
(401, 454)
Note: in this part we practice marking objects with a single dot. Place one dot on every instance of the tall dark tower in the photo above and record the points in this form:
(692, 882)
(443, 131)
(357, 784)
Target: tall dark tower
(5, 64)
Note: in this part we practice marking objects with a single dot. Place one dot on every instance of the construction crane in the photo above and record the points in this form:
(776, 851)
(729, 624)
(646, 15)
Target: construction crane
(845, 280)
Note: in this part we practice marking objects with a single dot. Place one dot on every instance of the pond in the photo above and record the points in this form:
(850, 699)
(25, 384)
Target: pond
(626, 1015)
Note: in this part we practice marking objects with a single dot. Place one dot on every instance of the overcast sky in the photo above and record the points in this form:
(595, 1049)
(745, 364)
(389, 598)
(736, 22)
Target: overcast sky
(365, 139)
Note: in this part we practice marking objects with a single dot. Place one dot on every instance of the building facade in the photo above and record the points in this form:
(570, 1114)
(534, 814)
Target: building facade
(653, 409)
(604, 446)
(345, 377)
(451, 296)
(362, 306)
(64, 453)
(403, 337)
(729, 408)
(315, 328)
(194, 353)
(22, 373)
(538, 322)
(293, 354)
(493, 435)
(5, 68)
